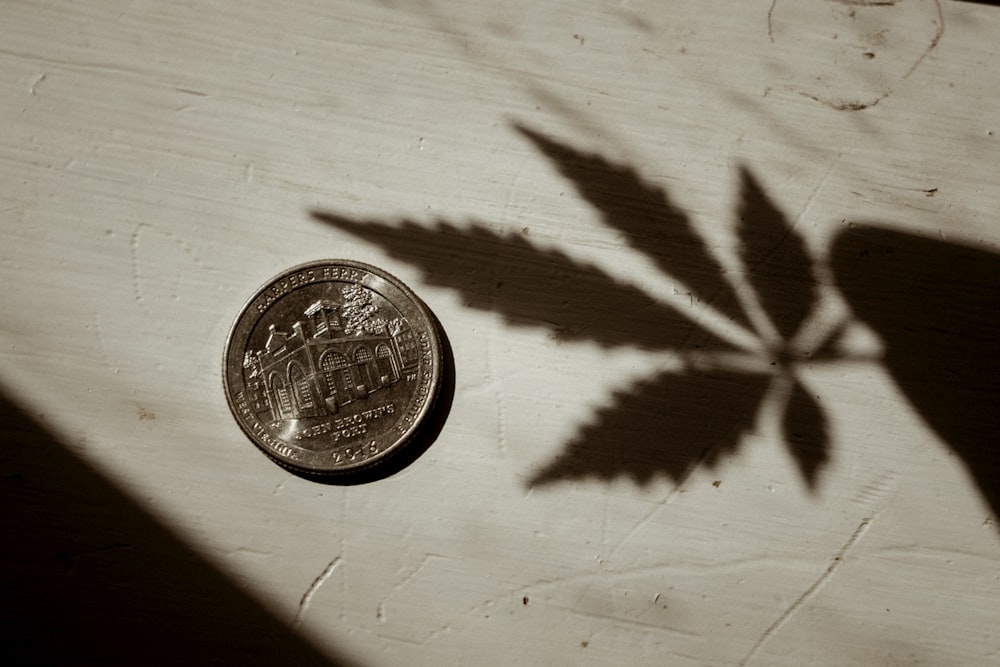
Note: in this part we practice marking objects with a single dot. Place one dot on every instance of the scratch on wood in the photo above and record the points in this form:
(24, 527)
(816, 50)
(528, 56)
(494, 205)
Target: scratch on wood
(868, 3)
(835, 564)
(380, 608)
(134, 247)
(840, 105)
(189, 91)
(138, 238)
(280, 486)
(816, 190)
(74, 64)
(632, 623)
(939, 23)
(315, 586)
(497, 385)
(36, 82)
(343, 552)
(657, 507)
(770, 26)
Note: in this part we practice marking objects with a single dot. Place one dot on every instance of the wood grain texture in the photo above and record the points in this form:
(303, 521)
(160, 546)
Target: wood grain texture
(686, 174)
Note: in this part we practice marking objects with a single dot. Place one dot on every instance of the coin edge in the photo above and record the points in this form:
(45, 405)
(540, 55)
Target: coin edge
(398, 445)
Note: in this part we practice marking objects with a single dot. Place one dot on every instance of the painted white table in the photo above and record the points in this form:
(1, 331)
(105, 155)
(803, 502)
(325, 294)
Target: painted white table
(708, 406)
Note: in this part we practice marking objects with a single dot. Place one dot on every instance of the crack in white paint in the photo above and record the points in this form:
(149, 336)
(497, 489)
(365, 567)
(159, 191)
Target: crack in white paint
(380, 608)
(314, 587)
(838, 560)
(143, 234)
(136, 279)
(35, 83)
(658, 507)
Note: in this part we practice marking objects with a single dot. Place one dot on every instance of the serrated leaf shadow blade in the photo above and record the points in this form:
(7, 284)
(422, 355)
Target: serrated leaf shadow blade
(530, 286)
(806, 434)
(778, 264)
(650, 222)
(664, 426)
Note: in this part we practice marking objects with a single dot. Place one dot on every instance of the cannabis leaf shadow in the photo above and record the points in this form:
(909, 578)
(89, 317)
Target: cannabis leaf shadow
(675, 420)
(670, 423)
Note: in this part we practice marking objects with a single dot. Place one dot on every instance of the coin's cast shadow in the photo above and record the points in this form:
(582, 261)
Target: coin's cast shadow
(421, 440)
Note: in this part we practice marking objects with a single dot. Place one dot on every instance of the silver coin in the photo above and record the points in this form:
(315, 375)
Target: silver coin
(332, 366)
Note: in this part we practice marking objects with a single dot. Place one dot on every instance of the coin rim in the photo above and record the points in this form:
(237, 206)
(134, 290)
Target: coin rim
(397, 445)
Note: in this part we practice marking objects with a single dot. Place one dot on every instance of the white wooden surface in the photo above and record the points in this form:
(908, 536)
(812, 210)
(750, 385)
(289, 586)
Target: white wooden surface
(159, 161)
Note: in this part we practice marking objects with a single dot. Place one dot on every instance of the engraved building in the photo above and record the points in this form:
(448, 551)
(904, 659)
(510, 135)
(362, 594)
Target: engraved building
(319, 367)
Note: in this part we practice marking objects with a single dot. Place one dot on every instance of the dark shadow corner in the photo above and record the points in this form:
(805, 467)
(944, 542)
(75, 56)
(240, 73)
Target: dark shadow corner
(90, 578)
(936, 305)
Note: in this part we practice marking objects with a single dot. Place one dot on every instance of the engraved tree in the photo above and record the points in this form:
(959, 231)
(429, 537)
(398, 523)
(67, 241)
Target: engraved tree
(359, 311)
(252, 365)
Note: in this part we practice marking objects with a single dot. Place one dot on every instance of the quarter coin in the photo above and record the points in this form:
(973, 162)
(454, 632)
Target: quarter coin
(332, 366)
